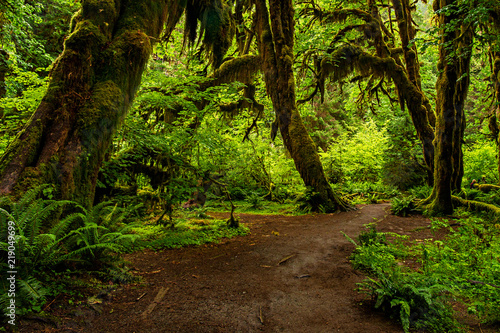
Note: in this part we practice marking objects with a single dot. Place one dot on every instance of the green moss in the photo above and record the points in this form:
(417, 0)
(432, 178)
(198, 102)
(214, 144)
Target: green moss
(85, 36)
(102, 13)
(30, 178)
(107, 100)
(240, 69)
(77, 17)
(26, 142)
(143, 15)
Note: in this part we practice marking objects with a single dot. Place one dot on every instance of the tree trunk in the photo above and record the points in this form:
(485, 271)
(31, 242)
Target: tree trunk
(423, 119)
(4, 69)
(496, 114)
(452, 87)
(276, 42)
(92, 85)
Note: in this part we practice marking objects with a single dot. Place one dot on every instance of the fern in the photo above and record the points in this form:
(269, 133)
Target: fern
(101, 233)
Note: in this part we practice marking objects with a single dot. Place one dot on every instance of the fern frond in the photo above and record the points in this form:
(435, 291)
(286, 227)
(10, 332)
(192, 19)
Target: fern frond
(30, 196)
(31, 288)
(62, 226)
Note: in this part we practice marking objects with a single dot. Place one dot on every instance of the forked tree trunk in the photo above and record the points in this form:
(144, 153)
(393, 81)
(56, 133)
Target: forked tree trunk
(276, 42)
(452, 87)
(92, 85)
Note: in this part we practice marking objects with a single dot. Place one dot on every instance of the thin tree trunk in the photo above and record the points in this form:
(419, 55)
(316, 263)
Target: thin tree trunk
(92, 85)
(276, 42)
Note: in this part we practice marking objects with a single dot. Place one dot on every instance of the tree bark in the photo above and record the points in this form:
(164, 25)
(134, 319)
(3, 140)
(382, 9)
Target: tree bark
(276, 41)
(452, 87)
(496, 114)
(92, 85)
(425, 121)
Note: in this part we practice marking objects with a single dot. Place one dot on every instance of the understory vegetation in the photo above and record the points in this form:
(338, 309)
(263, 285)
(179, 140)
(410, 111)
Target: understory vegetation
(203, 133)
(431, 283)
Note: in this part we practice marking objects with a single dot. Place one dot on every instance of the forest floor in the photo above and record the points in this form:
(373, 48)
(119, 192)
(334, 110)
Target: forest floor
(291, 274)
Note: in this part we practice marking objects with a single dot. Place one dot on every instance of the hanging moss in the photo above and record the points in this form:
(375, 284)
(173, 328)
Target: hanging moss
(240, 69)
(477, 206)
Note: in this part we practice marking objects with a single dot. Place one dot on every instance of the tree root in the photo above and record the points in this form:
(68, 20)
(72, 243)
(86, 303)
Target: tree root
(477, 206)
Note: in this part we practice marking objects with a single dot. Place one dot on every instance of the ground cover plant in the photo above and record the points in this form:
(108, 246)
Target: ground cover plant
(75, 254)
(418, 281)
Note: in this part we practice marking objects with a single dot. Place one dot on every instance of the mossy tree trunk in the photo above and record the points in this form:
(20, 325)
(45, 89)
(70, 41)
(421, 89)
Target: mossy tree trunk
(423, 118)
(4, 69)
(92, 85)
(275, 27)
(496, 115)
(451, 87)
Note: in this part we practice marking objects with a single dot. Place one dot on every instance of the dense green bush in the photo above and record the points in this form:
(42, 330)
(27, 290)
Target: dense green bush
(463, 267)
(358, 154)
(480, 160)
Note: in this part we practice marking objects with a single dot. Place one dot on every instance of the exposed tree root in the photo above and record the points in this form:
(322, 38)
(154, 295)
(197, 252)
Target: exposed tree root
(487, 187)
(477, 206)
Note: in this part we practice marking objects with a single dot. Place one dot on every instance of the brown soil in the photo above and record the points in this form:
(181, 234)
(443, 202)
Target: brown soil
(291, 274)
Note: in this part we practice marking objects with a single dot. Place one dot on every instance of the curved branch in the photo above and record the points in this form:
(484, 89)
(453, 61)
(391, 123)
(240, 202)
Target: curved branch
(349, 58)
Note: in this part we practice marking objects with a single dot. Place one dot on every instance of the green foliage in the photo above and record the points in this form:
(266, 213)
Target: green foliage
(403, 165)
(45, 244)
(255, 200)
(358, 156)
(24, 92)
(480, 160)
(185, 233)
(421, 192)
(402, 206)
(102, 231)
(308, 201)
(461, 267)
(366, 192)
(417, 300)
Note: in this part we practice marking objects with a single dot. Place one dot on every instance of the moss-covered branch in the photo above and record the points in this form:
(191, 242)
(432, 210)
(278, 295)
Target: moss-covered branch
(477, 206)
(349, 58)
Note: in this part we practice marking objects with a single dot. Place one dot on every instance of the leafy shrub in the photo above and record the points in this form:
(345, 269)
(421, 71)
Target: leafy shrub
(102, 232)
(403, 165)
(308, 201)
(417, 300)
(402, 206)
(421, 192)
(44, 244)
(255, 200)
(463, 266)
(357, 155)
(481, 160)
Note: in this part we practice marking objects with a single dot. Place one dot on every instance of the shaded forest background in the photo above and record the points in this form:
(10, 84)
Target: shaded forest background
(146, 110)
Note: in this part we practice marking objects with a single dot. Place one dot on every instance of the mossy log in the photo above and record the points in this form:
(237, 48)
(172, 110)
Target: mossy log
(477, 206)
(487, 187)
(92, 84)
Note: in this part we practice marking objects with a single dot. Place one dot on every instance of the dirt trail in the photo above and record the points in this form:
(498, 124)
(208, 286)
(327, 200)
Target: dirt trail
(240, 285)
